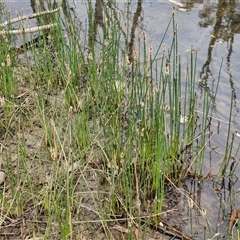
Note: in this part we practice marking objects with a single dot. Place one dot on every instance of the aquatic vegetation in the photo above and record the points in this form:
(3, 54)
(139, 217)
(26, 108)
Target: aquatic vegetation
(98, 130)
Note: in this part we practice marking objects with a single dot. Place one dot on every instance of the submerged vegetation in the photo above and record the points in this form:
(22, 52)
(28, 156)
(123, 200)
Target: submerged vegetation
(98, 132)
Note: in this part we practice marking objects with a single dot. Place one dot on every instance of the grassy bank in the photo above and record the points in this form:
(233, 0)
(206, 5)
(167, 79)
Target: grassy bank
(97, 131)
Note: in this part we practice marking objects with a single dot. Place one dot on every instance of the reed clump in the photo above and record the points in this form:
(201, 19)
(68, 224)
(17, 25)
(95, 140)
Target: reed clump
(95, 129)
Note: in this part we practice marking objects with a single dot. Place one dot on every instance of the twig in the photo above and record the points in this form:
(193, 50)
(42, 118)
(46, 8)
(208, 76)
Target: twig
(167, 229)
(28, 30)
(34, 15)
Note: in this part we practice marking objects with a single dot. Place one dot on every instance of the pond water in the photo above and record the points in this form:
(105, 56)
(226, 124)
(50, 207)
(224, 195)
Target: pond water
(213, 27)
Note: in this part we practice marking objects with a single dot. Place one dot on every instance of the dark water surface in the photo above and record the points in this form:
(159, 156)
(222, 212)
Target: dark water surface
(214, 28)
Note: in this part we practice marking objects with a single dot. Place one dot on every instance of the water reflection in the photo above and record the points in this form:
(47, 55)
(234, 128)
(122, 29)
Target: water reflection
(224, 19)
(224, 16)
(188, 4)
(100, 22)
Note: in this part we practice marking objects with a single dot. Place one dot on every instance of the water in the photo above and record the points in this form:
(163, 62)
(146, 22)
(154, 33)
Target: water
(214, 28)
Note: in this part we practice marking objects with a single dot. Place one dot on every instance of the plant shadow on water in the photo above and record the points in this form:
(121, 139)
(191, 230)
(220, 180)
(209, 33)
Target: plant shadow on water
(104, 138)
